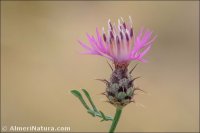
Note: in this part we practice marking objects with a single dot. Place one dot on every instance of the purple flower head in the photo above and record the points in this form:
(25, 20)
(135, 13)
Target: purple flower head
(120, 44)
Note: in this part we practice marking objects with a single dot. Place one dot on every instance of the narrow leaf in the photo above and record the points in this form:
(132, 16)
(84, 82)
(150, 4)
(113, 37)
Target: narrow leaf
(91, 112)
(90, 100)
(103, 116)
(79, 96)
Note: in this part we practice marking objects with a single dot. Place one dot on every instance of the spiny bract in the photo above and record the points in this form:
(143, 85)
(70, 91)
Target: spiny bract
(120, 89)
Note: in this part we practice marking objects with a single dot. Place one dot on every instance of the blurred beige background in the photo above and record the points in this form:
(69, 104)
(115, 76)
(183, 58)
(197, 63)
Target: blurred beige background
(40, 64)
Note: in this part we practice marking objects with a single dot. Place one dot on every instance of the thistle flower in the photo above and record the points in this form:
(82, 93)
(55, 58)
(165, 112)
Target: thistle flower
(120, 45)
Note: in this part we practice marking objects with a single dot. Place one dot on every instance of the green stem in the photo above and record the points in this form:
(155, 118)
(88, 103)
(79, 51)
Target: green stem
(115, 120)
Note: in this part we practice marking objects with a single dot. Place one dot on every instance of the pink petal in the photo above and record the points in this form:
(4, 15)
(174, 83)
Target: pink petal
(142, 60)
(90, 52)
(84, 46)
(92, 43)
(146, 37)
(145, 51)
(100, 40)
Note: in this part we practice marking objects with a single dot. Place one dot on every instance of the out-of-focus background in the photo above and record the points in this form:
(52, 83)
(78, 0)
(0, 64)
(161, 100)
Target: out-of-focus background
(41, 63)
